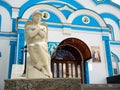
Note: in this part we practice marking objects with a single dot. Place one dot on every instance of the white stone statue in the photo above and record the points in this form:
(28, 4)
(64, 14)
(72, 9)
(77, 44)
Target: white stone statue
(36, 33)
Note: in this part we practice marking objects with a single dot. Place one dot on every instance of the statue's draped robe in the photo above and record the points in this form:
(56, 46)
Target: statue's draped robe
(39, 61)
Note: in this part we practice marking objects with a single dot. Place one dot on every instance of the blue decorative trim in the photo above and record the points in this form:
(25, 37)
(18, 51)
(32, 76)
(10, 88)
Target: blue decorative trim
(65, 2)
(94, 29)
(0, 22)
(14, 22)
(7, 35)
(88, 29)
(99, 1)
(22, 22)
(7, 6)
(31, 3)
(105, 38)
(117, 58)
(110, 16)
(93, 22)
(108, 55)
(71, 26)
(87, 73)
(55, 26)
(12, 57)
(20, 45)
(27, 5)
(115, 43)
(112, 31)
(66, 13)
(52, 18)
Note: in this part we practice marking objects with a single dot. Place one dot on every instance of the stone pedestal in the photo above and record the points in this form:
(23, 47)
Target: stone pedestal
(55, 84)
(43, 84)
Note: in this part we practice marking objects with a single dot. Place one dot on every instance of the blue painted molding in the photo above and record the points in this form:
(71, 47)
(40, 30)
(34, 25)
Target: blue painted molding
(31, 3)
(0, 22)
(53, 18)
(117, 60)
(108, 54)
(93, 22)
(79, 27)
(66, 13)
(8, 34)
(71, 26)
(27, 5)
(14, 24)
(112, 31)
(115, 43)
(7, 6)
(12, 58)
(65, 2)
(87, 78)
(20, 45)
(110, 16)
(116, 57)
(21, 22)
(97, 2)
(105, 38)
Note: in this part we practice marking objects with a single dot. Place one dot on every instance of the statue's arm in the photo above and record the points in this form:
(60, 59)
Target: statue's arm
(43, 32)
(31, 32)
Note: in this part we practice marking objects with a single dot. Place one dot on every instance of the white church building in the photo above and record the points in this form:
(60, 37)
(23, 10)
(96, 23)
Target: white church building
(92, 26)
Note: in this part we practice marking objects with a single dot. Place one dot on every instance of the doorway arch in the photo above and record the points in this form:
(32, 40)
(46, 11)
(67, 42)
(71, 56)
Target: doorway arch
(68, 59)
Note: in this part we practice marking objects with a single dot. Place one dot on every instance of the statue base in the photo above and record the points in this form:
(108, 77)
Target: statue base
(43, 84)
(55, 84)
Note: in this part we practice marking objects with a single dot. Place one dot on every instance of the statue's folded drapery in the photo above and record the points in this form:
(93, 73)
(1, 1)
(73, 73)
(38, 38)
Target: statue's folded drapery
(36, 38)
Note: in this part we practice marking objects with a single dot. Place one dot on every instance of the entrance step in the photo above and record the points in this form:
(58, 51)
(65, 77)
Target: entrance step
(55, 84)
(43, 84)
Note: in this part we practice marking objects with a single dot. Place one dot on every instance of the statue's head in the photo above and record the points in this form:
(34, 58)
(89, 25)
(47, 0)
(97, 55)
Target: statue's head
(36, 17)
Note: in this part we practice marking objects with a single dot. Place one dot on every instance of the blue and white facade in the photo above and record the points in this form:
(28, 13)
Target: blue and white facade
(96, 22)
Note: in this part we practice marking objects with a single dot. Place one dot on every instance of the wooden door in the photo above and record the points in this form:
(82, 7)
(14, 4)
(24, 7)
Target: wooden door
(67, 63)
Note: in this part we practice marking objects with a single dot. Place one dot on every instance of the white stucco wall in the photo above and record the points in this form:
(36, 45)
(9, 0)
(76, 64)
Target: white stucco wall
(6, 24)
(4, 60)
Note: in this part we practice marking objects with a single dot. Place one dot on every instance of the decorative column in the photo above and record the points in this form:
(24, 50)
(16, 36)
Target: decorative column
(12, 56)
(108, 54)
(20, 35)
(20, 45)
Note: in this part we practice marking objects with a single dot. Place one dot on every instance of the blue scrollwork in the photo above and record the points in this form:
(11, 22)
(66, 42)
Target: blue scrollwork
(52, 47)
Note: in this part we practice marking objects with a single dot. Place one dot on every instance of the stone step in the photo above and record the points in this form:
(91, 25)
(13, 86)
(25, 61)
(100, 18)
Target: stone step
(55, 84)
(43, 84)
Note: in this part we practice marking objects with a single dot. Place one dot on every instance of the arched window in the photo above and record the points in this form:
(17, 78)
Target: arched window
(115, 66)
(0, 22)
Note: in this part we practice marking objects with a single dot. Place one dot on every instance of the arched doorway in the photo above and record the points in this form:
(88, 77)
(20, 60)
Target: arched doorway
(68, 59)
